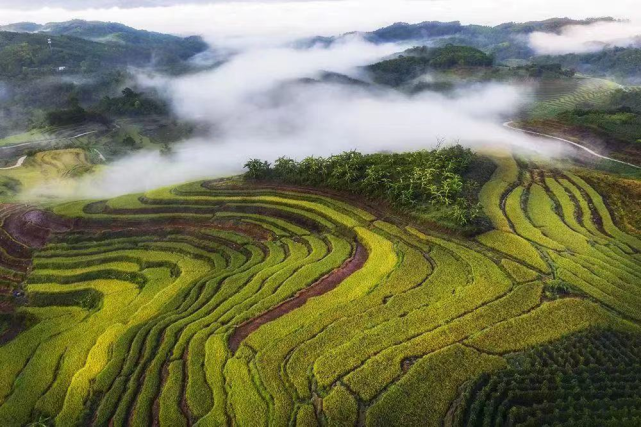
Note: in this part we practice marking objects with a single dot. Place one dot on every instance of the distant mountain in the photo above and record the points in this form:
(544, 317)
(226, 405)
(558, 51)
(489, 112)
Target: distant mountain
(503, 41)
(21, 27)
(163, 47)
(86, 47)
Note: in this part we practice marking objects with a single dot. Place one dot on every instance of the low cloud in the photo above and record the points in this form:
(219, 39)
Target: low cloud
(587, 38)
(258, 107)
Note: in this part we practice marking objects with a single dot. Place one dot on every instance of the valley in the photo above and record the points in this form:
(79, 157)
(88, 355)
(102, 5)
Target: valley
(447, 234)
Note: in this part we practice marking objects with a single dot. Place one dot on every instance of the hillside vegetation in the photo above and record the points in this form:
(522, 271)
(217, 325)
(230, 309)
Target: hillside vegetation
(504, 41)
(417, 61)
(596, 113)
(434, 183)
(86, 61)
(619, 63)
(81, 46)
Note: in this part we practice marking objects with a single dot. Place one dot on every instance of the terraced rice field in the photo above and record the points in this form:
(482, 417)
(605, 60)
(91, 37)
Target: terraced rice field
(45, 137)
(204, 304)
(47, 168)
(556, 97)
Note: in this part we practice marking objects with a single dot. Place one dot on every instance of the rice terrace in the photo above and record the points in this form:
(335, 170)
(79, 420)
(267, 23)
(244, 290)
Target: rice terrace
(146, 279)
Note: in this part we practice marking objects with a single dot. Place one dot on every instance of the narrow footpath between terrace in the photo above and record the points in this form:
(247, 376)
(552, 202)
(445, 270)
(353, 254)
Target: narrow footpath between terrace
(320, 287)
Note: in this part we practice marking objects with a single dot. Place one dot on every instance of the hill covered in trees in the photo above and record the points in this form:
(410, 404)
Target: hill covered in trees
(31, 55)
(419, 60)
(508, 43)
(165, 46)
(86, 61)
(619, 63)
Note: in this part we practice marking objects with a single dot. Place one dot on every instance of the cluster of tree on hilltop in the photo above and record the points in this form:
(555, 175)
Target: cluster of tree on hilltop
(130, 104)
(552, 70)
(414, 181)
(417, 61)
(72, 114)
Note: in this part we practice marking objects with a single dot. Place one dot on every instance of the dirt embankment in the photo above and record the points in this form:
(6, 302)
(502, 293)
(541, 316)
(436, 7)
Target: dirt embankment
(321, 287)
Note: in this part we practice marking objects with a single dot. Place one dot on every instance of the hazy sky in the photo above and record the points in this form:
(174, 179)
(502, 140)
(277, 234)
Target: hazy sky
(295, 18)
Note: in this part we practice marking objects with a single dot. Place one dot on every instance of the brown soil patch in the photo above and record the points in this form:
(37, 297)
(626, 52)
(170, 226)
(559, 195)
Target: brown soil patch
(6, 307)
(33, 227)
(322, 286)
(23, 230)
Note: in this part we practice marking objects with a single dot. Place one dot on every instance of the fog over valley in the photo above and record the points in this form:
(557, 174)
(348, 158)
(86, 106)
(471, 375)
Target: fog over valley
(259, 105)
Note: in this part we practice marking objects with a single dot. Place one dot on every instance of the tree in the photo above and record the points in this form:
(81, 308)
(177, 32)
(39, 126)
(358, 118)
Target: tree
(129, 141)
(166, 150)
(258, 169)
(129, 93)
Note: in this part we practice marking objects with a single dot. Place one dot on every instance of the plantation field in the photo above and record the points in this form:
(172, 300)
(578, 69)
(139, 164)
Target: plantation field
(555, 97)
(209, 305)
(48, 136)
(21, 138)
(53, 157)
(52, 167)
